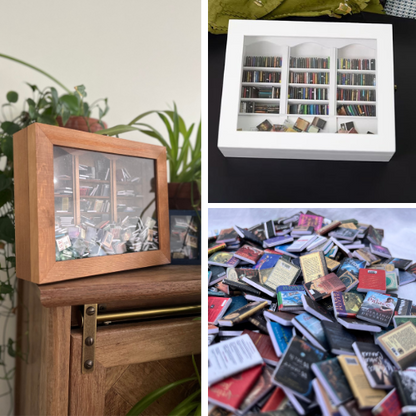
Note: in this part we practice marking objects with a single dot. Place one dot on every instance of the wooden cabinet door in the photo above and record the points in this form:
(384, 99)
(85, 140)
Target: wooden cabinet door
(132, 360)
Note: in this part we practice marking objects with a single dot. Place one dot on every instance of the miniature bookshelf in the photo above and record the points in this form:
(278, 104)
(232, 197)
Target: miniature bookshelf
(310, 82)
(106, 192)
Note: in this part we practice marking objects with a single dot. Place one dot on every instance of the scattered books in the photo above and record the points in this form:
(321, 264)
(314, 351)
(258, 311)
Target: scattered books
(311, 347)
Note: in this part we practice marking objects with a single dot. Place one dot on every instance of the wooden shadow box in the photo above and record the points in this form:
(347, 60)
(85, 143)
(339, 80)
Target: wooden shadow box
(87, 204)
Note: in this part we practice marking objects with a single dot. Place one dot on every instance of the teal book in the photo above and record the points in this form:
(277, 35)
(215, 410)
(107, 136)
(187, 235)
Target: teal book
(312, 330)
(280, 336)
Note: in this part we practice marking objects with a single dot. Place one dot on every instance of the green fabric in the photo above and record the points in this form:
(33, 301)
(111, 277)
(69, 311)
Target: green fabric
(221, 11)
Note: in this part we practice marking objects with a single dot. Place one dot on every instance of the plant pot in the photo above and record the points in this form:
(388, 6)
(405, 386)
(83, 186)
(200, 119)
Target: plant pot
(80, 123)
(180, 195)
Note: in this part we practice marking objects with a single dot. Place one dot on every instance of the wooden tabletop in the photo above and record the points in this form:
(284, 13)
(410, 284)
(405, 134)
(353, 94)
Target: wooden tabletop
(149, 283)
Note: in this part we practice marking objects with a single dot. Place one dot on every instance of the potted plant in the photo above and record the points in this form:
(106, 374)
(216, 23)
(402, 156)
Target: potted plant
(184, 158)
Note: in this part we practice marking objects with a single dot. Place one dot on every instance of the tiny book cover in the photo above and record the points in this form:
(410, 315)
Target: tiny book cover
(372, 280)
(294, 369)
(349, 280)
(264, 346)
(231, 392)
(342, 233)
(223, 259)
(261, 388)
(312, 329)
(327, 228)
(391, 281)
(216, 308)
(310, 221)
(248, 235)
(228, 235)
(267, 261)
(350, 265)
(403, 307)
(230, 357)
(284, 273)
(317, 310)
(249, 254)
(300, 243)
(242, 313)
(260, 280)
(380, 251)
(399, 344)
(347, 304)
(400, 320)
(302, 230)
(339, 339)
(376, 365)
(280, 336)
(401, 264)
(389, 406)
(216, 247)
(366, 396)
(313, 266)
(276, 401)
(277, 241)
(332, 378)
(289, 298)
(322, 287)
(237, 302)
(322, 398)
(405, 382)
(377, 308)
(283, 318)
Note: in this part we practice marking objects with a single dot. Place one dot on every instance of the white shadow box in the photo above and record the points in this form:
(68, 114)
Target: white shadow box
(325, 89)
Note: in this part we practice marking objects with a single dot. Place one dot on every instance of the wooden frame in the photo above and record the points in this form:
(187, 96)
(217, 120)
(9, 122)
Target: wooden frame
(191, 213)
(35, 207)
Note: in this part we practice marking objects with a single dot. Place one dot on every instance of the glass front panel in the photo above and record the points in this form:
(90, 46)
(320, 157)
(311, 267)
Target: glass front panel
(104, 204)
(308, 85)
(184, 237)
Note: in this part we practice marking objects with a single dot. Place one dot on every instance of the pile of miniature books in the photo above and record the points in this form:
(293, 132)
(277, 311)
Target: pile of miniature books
(303, 126)
(304, 318)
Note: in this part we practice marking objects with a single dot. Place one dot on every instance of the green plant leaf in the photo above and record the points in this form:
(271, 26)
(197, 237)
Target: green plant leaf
(185, 410)
(9, 127)
(135, 120)
(80, 89)
(71, 101)
(6, 288)
(144, 403)
(47, 119)
(65, 114)
(6, 196)
(12, 96)
(7, 147)
(12, 261)
(33, 87)
(6, 230)
(196, 370)
(5, 181)
(10, 350)
(198, 411)
(55, 98)
(119, 129)
(185, 403)
(86, 109)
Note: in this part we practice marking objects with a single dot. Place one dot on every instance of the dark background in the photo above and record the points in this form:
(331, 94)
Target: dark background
(280, 180)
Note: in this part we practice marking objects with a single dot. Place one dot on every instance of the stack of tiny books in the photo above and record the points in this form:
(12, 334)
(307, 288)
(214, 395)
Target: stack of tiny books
(304, 318)
(303, 126)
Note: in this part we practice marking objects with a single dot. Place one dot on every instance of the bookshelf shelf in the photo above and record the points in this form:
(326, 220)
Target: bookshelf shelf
(309, 69)
(261, 84)
(262, 68)
(81, 181)
(340, 102)
(356, 87)
(261, 100)
(356, 71)
(306, 101)
(294, 84)
(94, 197)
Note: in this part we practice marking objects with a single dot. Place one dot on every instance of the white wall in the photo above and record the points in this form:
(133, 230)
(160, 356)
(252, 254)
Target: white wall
(139, 54)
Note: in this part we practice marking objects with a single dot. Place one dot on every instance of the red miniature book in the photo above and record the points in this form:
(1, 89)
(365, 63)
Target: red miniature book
(217, 306)
(371, 280)
(322, 287)
(264, 346)
(276, 400)
(249, 254)
(231, 392)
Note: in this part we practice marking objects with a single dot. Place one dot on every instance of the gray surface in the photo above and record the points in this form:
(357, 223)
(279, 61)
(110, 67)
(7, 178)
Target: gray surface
(399, 226)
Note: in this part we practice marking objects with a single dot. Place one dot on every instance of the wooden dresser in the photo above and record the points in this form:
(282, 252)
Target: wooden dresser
(132, 358)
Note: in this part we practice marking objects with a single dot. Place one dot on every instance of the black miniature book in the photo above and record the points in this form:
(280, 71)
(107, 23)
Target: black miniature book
(294, 369)
(317, 310)
(339, 339)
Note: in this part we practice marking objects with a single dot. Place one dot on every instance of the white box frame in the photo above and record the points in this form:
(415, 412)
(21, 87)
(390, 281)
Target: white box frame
(319, 146)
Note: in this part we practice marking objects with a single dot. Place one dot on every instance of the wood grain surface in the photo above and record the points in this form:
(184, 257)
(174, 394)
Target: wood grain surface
(44, 334)
(167, 282)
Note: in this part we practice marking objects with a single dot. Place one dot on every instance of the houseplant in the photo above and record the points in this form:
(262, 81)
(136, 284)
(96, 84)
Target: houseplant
(184, 158)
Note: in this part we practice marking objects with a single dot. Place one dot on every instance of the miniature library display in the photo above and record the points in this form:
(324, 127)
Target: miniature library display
(104, 204)
(87, 204)
(325, 79)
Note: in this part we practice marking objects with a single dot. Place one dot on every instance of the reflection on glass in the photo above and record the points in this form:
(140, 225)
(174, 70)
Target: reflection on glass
(184, 237)
(104, 204)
